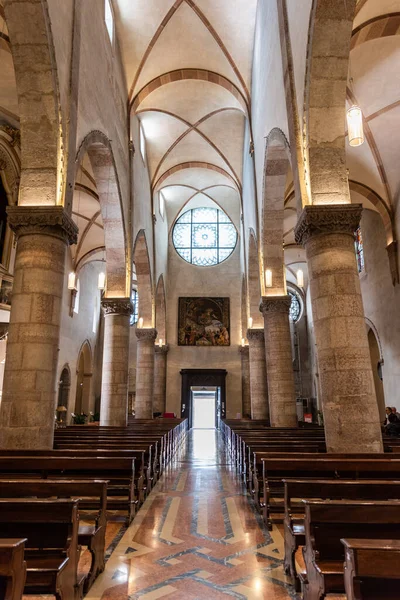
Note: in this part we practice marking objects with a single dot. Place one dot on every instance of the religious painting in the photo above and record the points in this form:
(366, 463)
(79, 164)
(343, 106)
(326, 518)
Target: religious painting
(203, 322)
(5, 291)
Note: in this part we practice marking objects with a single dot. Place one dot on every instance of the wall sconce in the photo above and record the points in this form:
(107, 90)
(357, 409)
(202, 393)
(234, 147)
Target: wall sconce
(160, 343)
(101, 282)
(355, 126)
(140, 323)
(243, 342)
(249, 323)
(268, 278)
(72, 281)
(300, 278)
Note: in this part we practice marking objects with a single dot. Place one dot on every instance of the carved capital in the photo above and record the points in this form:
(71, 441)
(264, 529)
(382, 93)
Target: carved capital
(244, 351)
(391, 249)
(275, 304)
(149, 334)
(162, 350)
(255, 335)
(117, 306)
(327, 219)
(47, 220)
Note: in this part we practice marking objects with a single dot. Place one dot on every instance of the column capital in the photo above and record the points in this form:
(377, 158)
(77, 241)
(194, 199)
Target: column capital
(325, 219)
(117, 306)
(255, 335)
(47, 220)
(163, 350)
(244, 350)
(275, 304)
(146, 333)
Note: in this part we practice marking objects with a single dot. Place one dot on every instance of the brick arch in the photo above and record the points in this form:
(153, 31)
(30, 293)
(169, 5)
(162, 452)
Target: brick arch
(276, 168)
(378, 27)
(141, 259)
(384, 210)
(328, 54)
(98, 147)
(194, 165)
(253, 281)
(36, 78)
(161, 309)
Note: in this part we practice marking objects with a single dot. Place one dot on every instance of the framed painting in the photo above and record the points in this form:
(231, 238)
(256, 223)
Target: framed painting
(6, 291)
(204, 322)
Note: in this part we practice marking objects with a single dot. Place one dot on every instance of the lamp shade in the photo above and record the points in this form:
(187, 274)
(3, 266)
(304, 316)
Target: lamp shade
(71, 280)
(300, 278)
(268, 278)
(355, 126)
(101, 282)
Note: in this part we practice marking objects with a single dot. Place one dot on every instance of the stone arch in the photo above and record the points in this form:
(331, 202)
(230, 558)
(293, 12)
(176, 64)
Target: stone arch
(144, 281)
(253, 285)
(10, 165)
(161, 309)
(328, 55)
(276, 168)
(36, 78)
(244, 306)
(64, 387)
(376, 355)
(84, 373)
(98, 147)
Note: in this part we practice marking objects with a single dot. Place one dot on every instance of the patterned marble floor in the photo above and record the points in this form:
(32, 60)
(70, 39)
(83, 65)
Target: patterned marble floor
(196, 537)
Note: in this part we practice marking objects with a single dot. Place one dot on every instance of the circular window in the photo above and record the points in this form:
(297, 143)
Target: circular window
(204, 236)
(295, 307)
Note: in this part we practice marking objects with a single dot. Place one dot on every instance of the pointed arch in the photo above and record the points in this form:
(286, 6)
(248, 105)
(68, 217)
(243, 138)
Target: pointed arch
(98, 147)
(244, 306)
(84, 371)
(253, 284)
(144, 280)
(161, 309)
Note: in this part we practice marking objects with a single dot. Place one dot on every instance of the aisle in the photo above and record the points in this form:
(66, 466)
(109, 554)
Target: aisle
(196, 537)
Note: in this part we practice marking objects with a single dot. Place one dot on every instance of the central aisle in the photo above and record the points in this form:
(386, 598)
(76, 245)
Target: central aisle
(196, 537)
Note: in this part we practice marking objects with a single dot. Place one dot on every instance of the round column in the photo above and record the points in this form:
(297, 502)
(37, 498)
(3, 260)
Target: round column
(246, 401)
(145, 373)
(160, 378)
(29, 391)
(258, 374)
(278, 354)
(114, 382)
(348, 397)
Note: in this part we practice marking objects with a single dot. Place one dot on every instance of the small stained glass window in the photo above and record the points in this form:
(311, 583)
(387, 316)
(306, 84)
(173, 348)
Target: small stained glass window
(359, 246)
(109, 19)
(204, 236)
(135, 303)
(295, 307)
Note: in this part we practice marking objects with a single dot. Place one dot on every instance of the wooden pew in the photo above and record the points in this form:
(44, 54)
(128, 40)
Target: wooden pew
(372, 569)
(51, 547)
(12, 568)
(90, 493)
(294, 529)
(326, 523)
(120, 472)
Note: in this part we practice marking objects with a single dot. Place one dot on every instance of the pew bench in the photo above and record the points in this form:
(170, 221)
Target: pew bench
(372, 569)
(12, 568)
(339, 489)
(51, 548)
(329, 521)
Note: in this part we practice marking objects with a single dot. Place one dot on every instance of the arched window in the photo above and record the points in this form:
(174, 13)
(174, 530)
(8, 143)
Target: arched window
(135, 302)
(204, 236)
(295, 307)
(359, 246)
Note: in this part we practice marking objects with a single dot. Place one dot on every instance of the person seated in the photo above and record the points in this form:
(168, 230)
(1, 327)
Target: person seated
(394, 411)
(388, 411)
(393, 427)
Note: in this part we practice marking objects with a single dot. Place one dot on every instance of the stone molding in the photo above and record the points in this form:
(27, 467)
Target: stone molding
(275, 304)
(117, 306)
(244, 351)
(146, 333)
(163, 350)
(327, 219)
(255, 335)
(46, 220)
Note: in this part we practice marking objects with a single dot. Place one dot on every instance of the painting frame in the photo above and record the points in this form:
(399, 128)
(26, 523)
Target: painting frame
(204, 321)
(6, 286)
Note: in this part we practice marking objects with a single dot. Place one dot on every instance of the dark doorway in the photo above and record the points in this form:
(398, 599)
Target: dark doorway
(198, 379)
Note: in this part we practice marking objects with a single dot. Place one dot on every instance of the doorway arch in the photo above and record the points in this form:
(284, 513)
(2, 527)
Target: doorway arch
(375, 352)
(64, 386)
(83, 380)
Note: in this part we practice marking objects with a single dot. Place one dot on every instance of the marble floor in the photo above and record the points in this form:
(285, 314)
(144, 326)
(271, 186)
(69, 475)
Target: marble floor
(197, 536)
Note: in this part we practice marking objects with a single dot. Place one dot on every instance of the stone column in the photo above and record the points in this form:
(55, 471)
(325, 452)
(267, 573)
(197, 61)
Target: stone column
(145, 373)
(246, 400)
(258, 374)
(114, 382)
(30, 375)
(160, 378)
(278, 354)
(349, 403)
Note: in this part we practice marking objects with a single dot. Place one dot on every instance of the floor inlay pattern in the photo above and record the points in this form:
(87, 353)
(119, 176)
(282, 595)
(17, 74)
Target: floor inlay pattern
(196, 537)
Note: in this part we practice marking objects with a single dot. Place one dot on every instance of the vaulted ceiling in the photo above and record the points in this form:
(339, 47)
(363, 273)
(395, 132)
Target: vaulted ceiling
(188, 66)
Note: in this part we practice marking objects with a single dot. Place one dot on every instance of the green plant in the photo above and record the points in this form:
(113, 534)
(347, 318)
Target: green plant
(95, 417)
(79, 419)
(320, 416)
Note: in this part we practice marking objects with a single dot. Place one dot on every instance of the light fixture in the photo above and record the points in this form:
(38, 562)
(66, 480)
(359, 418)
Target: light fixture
(140, 323)
(249, 323)
(101, 282)
(243, 342)
(72, 280)
(160, 343)
(300, 278)
(268, 278)
(355, 126)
